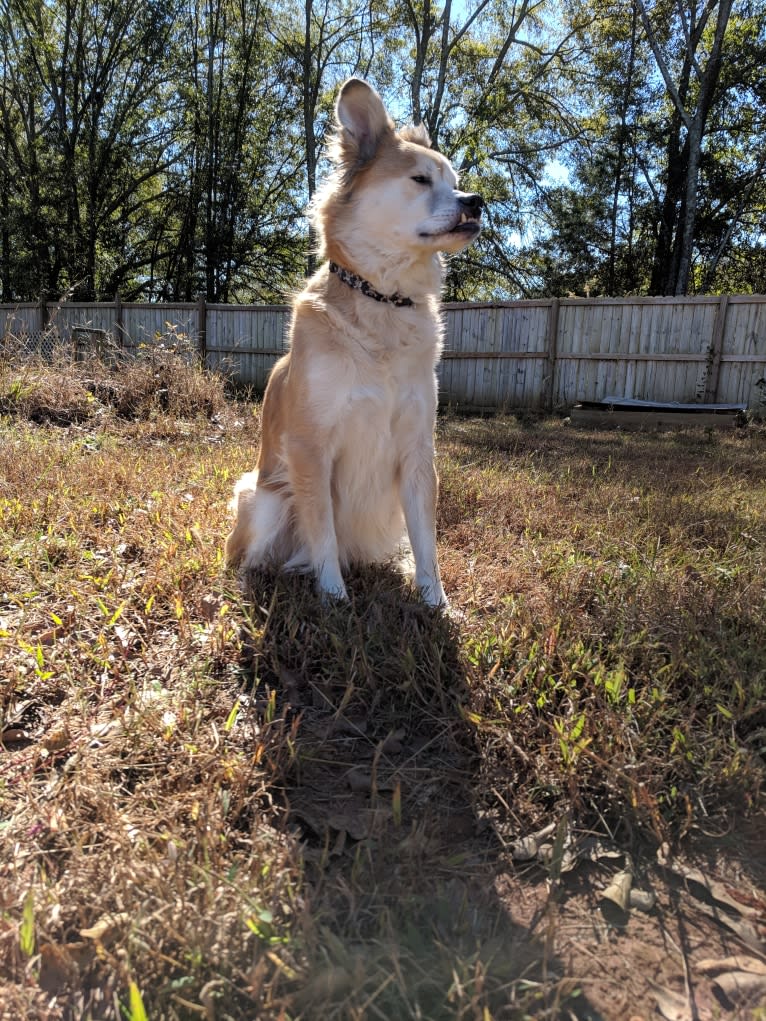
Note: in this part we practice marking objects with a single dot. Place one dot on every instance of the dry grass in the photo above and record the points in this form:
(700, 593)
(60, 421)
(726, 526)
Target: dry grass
(163, 380)
(239, 805)
(622, 578)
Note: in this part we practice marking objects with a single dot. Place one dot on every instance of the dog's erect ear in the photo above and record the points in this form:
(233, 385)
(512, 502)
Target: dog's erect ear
(418, 134)
(363, 121)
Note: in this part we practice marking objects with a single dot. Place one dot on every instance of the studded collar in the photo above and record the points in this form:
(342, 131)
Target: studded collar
(358, 284)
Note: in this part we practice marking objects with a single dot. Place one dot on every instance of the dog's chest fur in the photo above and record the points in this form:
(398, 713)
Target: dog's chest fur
(369, 366)
(369, 375)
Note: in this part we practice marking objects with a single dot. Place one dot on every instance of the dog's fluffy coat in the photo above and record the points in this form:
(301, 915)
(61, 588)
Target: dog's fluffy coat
(346, 462)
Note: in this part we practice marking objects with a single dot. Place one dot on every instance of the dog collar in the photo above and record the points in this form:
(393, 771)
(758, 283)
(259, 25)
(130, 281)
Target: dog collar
(366, 287)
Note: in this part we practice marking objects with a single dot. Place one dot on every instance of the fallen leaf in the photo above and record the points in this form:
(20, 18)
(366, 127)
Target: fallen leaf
(57, 821)
(526, 849)
(353, 726)
(355, 823)
(57, 739)
(672, 1006)
(210, 607)
(106, 927)
(746, 932)
(126, 637)
(714, 899)
(741, 987)
(107, 730)
(18, 714)
(716, 890)
(58, 967)
(295, 686)
(51, 635)
(392, 744)
(737, 962)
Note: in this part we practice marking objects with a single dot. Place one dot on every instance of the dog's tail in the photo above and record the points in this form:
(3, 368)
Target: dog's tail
(241, 504)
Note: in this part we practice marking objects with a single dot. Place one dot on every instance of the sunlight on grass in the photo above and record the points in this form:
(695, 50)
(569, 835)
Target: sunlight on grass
(251, 804)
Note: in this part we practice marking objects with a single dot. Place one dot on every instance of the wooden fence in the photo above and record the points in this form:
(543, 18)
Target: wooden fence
(543, 354)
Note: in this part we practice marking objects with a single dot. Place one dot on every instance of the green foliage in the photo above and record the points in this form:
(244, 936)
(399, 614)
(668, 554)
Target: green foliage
(620, 224)
(168, 150)
(27, 940)
(136, 1010)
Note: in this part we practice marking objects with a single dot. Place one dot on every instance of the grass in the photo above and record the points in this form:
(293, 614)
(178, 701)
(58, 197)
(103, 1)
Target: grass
(230, 804)
(633, 630)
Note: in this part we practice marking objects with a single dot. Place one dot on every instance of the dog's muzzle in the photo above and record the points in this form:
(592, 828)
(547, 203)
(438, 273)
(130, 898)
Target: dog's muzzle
(472, 204)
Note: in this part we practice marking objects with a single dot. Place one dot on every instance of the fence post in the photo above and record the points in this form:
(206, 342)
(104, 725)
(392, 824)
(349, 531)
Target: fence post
(716, 348)
(202, 330)
(552, 341)
(43, 311)
(118, 319)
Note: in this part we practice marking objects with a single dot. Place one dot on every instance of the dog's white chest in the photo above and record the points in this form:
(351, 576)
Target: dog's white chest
(363, 396)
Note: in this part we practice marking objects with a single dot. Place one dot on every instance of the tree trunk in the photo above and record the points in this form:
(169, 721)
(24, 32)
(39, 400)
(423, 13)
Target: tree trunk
(695, 134)
(611, 282)
(309, 113)
(671, 271)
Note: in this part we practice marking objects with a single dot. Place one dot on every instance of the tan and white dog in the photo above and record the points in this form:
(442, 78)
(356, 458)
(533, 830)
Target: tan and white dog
(347, 447)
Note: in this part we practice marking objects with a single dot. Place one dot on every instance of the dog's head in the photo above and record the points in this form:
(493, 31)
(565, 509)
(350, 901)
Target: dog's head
(391, 186)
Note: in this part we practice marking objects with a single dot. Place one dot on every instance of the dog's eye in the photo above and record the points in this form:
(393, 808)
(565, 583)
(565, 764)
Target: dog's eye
(421, 179)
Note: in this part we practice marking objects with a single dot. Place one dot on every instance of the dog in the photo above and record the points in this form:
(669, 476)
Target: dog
(346, 462)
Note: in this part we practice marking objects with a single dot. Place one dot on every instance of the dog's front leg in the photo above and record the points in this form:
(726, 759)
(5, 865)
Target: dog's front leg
(310, 471)
(419, 488)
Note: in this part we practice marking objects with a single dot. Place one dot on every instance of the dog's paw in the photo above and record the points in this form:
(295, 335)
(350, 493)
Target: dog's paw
(331, 589)
(433, 595)
(334, 597)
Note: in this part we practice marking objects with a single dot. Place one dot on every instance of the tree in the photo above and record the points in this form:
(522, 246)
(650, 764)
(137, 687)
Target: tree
(325, 41)
(684, 183)
(232, 232)
(595, 236)
(687, 41)
(732, 201)
(168, 148)
(90, 84)
(485, 79)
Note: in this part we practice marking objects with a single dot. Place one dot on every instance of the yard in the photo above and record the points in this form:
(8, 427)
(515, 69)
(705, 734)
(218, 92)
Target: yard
(227, 804)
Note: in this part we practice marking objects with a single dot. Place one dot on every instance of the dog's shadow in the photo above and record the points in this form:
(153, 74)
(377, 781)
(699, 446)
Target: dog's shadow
(378, 771)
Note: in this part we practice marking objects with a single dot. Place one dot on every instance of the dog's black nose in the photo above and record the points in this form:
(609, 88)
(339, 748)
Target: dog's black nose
(473, 204)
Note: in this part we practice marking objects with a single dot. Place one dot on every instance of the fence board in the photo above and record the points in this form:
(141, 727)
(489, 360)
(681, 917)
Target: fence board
(527, 354)
(743, 354)
(17, 321)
